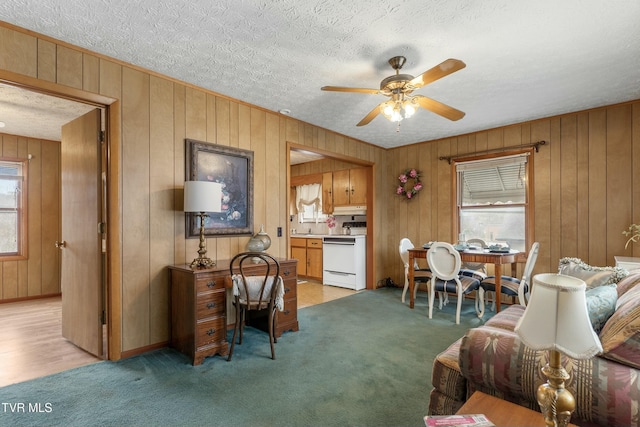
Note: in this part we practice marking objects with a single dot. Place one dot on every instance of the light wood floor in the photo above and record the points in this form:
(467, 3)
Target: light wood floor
(32, 344)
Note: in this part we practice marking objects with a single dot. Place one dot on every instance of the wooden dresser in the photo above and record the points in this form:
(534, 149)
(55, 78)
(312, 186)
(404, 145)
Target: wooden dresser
(199, 307)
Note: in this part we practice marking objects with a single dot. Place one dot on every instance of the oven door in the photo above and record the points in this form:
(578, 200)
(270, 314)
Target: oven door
(338, 255)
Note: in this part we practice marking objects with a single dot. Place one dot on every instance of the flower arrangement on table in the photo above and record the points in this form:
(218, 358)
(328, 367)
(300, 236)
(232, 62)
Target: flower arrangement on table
(410, 183)
(633, 233)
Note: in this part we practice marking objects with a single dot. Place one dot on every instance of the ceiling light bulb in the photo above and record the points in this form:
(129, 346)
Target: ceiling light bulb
(396, 116)
(409, 110)
(2, 124)
(388, 110)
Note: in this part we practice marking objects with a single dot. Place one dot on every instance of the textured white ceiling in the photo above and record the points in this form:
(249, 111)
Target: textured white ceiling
(525, 59)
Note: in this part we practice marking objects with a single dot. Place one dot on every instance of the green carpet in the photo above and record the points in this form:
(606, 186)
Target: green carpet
(363, 360)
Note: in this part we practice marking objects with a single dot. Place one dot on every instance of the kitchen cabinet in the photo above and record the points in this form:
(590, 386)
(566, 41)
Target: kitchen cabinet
(327, 193)
(350, 187)
(299, 252)
(308, 251)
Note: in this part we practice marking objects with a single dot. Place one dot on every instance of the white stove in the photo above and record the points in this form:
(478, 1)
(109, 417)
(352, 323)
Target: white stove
(344, 259)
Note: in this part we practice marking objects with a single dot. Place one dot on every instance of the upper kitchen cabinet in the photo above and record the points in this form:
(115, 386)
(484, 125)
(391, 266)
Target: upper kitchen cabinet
(327, 193)
(350, 187)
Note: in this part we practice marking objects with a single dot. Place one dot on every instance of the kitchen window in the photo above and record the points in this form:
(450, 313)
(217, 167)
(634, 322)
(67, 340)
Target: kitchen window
(493, 199)
(13, 221)
(309, 203)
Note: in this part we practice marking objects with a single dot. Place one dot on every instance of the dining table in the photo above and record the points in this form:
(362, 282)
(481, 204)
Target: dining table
(486, 256)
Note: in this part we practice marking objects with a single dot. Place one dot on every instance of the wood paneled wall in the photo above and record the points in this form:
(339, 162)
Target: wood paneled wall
(586, 188)
(155, 114)
(585, 193)
(39, 274)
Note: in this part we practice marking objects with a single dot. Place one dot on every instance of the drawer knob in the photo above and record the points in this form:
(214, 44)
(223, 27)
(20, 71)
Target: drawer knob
(211, 284)
(286, 312)
(211, 305)
(287, 290)
(211, 332)
(287, 272)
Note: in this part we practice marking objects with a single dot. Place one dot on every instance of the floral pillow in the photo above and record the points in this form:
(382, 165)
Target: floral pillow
(592, 276)
(601, 303)
(620, 336)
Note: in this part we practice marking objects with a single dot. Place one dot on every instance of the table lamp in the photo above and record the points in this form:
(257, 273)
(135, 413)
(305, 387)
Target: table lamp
(202, 197)
(556, 319)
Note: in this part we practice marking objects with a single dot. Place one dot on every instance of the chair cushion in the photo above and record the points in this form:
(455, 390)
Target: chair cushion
(508, 284)
(422, 275)
(469, 284)
(592, 276)
(476, 274)
(601, 303)
(254, 284)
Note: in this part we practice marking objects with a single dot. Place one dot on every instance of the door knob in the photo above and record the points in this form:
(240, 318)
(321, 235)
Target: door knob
(61, 245)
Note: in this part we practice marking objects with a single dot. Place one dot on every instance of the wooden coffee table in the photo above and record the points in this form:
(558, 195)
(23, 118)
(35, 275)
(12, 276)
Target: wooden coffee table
(501, 412)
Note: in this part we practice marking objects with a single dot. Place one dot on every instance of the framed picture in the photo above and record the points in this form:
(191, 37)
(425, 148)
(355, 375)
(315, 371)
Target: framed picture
(231, 167)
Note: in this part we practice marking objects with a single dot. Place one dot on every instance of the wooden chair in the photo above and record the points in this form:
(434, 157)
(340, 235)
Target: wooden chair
(511, 286)
(444, 261)
(419, 275)
(252, 291)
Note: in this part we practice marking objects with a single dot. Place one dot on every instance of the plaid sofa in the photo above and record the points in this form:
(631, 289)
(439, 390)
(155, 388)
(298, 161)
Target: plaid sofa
(492, 359)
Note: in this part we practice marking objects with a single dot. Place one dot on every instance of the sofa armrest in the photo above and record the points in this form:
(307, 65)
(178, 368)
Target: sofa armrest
(496, 359)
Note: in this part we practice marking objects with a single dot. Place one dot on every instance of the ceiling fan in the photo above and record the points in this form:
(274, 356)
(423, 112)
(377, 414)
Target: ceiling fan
(399, 87)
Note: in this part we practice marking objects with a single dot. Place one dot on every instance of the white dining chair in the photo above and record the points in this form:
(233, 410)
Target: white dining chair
(420, 275)
(444, 261)
(510, 286)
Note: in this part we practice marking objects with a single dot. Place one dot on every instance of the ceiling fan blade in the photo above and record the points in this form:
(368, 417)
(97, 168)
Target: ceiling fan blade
(439, 108)
(439, 71)
(349, 89)
(372, 115)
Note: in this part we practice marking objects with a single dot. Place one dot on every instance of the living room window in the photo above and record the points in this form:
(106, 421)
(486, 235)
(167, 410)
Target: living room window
(13, 221)
(493, 196)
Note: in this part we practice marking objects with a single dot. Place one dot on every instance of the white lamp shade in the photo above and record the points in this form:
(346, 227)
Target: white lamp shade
(202, 196)
(556, 317)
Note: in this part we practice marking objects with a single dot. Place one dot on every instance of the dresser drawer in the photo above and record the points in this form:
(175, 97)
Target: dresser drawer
(211, 331)
(290, 289)
(288, 272)
(210, 304)
(209, 282)
(290, 312)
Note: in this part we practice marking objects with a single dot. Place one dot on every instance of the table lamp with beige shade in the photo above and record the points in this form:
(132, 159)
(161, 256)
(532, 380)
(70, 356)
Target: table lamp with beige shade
(556, 319)
(201, 197)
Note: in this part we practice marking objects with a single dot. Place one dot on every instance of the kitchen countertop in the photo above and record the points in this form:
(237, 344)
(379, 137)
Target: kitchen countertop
(319, 236)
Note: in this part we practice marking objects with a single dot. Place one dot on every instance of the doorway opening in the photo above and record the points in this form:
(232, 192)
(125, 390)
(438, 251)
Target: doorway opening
(61, 103)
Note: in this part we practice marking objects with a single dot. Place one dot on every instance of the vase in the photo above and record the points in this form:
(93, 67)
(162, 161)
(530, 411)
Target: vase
(255, 245)
(330, 231)
(264, 237)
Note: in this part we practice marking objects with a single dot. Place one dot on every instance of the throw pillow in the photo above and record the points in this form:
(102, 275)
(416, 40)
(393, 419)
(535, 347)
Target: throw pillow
(628, 283)
(592, 276)
(620, 336)
(601, 303)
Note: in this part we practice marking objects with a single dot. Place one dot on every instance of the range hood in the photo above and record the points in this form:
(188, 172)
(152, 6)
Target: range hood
(350, 210)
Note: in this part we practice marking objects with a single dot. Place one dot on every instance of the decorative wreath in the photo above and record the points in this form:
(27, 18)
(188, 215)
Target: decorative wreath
(409, 183)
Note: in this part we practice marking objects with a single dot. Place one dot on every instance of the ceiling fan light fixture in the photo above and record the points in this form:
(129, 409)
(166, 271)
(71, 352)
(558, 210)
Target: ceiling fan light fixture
(409, 108)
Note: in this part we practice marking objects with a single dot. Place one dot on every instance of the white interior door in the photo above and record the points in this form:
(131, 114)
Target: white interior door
(81, 277)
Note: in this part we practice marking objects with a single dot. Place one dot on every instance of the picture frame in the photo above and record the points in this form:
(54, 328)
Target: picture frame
(233, 168)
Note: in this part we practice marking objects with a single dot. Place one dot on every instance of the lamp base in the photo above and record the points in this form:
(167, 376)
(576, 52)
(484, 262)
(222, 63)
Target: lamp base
(556, 402)
(202, 262)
